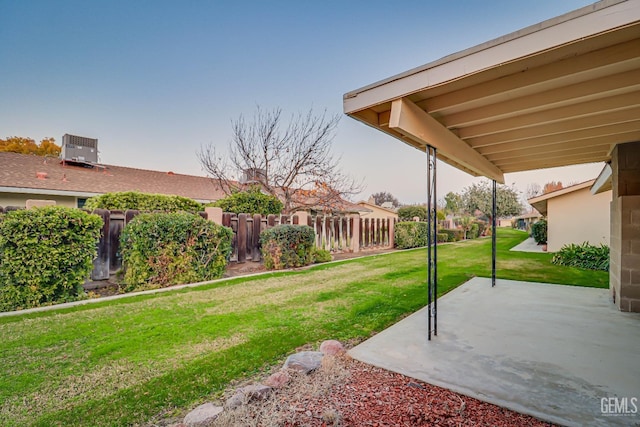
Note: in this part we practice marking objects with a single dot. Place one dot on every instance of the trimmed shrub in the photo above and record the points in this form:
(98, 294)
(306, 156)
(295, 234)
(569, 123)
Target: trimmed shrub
(408, 212)
(286, 246)
(584, 255)
(473, 231)
(46, 255)
(454, 234)
(539, 232)
(163, 249)
(321, 255)
(443, 237)
(143, 202)
(411, 234)
(482, 226)
(252, 201)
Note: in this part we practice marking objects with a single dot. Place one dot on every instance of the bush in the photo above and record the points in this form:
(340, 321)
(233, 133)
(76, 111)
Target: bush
(408, 212)
(321, 255)
(46, 255)
(162, 249)
(539, 232)
(583, 256)
(410, 234)
(250, 202)
(143, 202)
(454, 234)
(443, 237)
(482, 226)
(473, 232)
(286, 246)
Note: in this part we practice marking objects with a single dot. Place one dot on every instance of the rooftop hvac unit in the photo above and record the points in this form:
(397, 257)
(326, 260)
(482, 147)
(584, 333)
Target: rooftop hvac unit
(79, 149)
(253, 176)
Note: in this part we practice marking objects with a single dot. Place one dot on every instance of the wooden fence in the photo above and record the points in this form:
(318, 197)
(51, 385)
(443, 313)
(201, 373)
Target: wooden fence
(335, 233)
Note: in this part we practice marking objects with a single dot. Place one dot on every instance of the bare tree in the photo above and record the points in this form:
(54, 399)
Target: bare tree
(383, 196)
(292, 161)
(533, 190)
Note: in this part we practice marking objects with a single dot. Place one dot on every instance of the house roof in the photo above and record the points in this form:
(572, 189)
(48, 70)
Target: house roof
(19, 173)
(369, 206)
(558, 93)
(540, 202)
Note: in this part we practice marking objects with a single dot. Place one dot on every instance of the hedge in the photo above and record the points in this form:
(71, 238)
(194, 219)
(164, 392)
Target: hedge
(453, 234)
(252, 201)
(143, 202)
(46, 255)
(410, 234)
(286, 246)
(163, 249)
(539, 231)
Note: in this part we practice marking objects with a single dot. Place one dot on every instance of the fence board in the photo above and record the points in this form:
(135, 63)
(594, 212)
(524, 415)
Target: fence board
(242, 237)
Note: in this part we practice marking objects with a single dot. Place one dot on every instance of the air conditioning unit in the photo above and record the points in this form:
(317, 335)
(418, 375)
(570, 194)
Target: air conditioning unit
(253, 176)
(79, 149)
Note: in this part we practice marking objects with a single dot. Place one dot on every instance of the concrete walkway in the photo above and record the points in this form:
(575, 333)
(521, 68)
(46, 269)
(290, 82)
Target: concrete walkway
(550, 351)
(528, 245)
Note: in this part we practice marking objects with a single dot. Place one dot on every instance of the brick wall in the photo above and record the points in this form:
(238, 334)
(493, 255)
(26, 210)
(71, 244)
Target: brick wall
(624, 276)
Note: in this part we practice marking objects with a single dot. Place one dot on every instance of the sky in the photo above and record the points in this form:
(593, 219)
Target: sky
(156, 80)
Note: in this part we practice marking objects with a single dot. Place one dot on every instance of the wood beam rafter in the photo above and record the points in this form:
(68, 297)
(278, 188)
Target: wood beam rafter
(554, 115)
(580, 123)
(411, 121)
(573, 138)
(617, 84)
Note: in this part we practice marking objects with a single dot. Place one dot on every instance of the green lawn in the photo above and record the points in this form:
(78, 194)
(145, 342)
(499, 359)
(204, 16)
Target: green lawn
(126, 361)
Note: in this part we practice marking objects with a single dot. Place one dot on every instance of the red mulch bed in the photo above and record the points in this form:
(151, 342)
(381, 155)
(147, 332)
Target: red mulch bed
(375, 397)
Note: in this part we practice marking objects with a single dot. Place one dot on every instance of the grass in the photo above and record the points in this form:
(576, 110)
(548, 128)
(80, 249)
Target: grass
(124, 362)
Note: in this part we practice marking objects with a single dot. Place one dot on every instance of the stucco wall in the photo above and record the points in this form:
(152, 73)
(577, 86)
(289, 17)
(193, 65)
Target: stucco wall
(20, 199)
(377, 212)
(578, 217)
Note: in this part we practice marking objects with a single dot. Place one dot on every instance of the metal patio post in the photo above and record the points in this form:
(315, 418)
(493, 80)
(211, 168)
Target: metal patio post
(493, 235)
(432, 244)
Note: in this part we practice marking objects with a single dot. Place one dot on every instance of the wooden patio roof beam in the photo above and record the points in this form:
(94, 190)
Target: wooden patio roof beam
(411, 121)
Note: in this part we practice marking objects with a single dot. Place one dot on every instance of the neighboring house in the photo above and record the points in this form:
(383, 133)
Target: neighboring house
(525, 221)
(375, 211)
(504, 222)
(24, 177)
(574, 215)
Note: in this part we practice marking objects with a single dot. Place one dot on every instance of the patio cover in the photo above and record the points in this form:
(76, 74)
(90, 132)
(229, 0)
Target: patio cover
(558, 93)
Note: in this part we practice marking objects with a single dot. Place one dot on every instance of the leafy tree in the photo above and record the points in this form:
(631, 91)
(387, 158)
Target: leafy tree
(408, 212)
(465, 223)
(19, 144)
(290, 160)
(453, 202)
(382, 196)
(252, 201)
(479, 196)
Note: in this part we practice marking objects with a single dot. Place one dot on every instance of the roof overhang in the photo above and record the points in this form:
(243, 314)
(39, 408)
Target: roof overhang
(603, 181)
(540, 202)
(558, 93)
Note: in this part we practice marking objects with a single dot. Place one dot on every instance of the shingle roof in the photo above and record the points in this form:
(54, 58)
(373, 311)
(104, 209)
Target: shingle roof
(21, 171)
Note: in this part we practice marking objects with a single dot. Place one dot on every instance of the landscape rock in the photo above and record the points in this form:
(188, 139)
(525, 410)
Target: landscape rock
(305, 361)
(277, 380)
(203, 415)
(248, 393)
(331, 347)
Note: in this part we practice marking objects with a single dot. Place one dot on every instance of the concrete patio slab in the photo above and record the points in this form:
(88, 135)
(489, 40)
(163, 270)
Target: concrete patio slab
(528, 245)
(551, 351)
